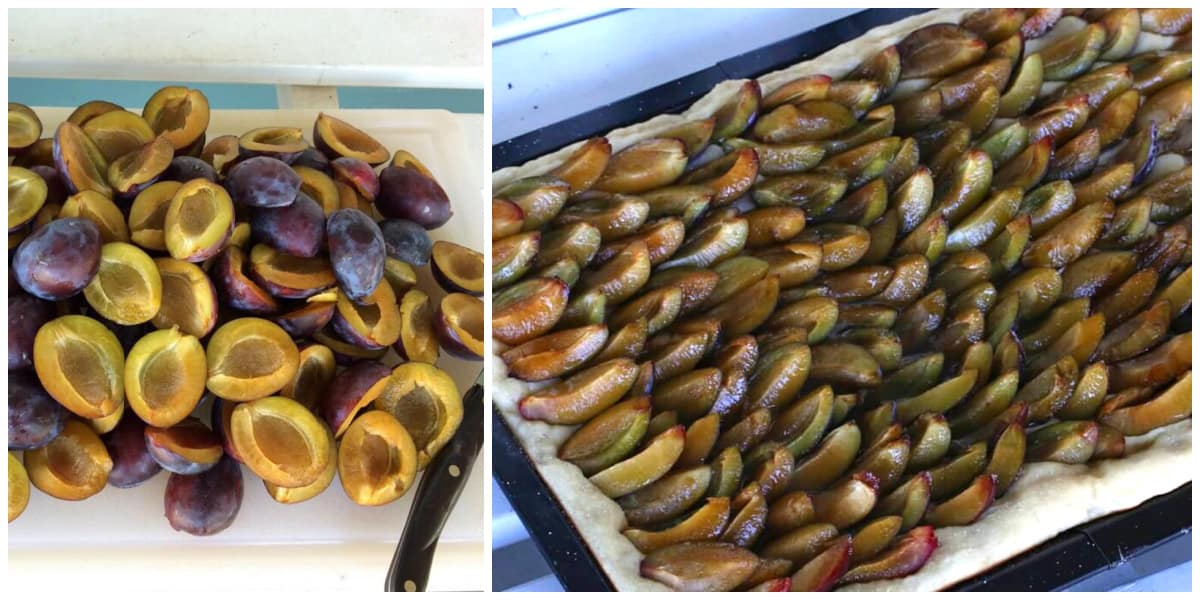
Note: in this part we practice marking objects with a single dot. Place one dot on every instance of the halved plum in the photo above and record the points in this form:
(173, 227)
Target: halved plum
(458, 268)
(283, 143)
(186, 448)
(336, 138)
(459, 326)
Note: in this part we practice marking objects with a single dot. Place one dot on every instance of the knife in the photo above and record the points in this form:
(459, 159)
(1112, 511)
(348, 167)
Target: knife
(436, 495)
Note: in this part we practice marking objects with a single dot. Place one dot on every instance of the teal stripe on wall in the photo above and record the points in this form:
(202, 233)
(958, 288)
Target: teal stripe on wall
(453, 100)
(73, 92)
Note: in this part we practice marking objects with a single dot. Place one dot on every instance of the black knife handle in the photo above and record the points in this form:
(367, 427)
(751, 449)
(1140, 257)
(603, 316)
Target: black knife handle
(436, 495)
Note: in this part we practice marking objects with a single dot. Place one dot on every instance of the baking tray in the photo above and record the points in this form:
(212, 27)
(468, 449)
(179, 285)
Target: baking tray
(1069, 557)
(327, 543)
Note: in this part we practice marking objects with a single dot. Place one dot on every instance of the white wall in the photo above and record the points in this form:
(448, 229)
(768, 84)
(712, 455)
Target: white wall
(545, 78)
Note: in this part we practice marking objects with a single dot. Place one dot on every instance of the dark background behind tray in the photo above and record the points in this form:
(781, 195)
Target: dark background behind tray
(1095, 551)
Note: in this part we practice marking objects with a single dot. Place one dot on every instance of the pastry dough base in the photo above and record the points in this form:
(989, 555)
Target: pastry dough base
(1047, 499)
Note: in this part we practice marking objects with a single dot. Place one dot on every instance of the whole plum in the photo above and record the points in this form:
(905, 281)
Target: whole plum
(297, 229)
(58, 260)
(206, 503)
(186, 168)
(313, 159)
(406, 241)
(358, 175)
(357, 252)
(34, 418)
(262, 181)
(26, 315)
(132, 462)
(406, 193)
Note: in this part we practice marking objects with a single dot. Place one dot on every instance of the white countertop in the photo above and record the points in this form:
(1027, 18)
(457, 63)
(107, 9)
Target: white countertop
(327, 543)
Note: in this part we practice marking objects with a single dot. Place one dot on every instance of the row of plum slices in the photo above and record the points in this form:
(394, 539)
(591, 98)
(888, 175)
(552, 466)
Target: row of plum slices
(196, 307)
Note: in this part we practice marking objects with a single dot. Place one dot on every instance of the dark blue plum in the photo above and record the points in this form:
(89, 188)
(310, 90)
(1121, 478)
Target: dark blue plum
(406, 241)
(357, 252)
(313, 159)
(263, 181)
(186, 168)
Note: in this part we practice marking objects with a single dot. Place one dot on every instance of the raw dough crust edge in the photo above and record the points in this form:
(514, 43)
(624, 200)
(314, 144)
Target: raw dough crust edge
(1047, 499)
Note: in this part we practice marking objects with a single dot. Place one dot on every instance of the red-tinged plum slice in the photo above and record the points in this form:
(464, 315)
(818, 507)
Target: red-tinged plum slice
(206, 503)
(905, 557)
(74, 466)
(822, 572)
(358, 175)
(966, 507)
(357, 252)
(138, 170)
(58, 260)
(781, 584)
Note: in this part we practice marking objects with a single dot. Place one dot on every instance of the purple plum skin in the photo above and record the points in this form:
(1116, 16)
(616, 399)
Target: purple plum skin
(58, 260)
(126, 444)
(357, 252)
(206, 503)
(34, 418)
(262, 181)
(406, 193)
(297, 229)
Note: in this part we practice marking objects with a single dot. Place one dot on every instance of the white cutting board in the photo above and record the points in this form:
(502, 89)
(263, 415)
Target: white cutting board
(121, 536)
